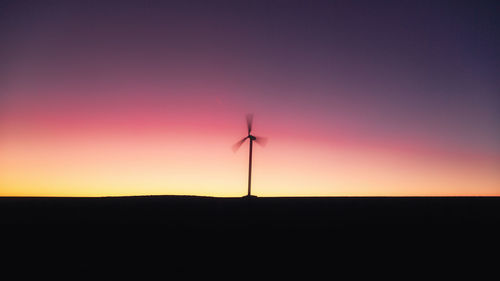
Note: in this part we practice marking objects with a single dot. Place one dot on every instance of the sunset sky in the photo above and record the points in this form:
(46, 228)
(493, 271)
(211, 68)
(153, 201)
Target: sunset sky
(356, 98)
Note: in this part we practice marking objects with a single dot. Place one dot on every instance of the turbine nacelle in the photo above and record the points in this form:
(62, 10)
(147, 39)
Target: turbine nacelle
(260, 140)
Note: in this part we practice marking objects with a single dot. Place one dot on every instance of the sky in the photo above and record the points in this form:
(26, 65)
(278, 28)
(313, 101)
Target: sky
(356, 98)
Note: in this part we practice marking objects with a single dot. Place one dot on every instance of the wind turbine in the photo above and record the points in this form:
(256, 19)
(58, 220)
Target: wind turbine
(260, 140)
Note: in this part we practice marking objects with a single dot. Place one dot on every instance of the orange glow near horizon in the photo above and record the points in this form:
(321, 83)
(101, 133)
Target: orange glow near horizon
(181, 161)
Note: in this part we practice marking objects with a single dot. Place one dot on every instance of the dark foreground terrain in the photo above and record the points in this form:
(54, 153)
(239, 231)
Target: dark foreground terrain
(358, 236)
(191, 212)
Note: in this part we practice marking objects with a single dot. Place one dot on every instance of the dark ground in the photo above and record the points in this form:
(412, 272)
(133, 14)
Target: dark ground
(357, 235)
(191, 212)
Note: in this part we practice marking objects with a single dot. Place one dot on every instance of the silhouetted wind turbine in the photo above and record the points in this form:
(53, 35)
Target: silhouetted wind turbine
(260, 140)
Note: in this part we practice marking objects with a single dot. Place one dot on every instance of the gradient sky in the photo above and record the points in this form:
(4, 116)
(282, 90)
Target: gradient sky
(357, 98)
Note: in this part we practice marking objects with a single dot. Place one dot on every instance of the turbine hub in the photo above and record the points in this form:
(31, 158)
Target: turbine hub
(252, 137)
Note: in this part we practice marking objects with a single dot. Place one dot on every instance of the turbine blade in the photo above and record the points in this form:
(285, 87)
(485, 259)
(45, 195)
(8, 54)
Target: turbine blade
(249, 122)
(237, 145)
(261, 140)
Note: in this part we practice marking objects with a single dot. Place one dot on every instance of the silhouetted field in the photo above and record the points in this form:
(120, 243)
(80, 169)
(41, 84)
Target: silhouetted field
(240, 213)
(314, 235)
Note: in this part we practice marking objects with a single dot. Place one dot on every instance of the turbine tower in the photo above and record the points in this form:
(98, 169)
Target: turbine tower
(260, 140)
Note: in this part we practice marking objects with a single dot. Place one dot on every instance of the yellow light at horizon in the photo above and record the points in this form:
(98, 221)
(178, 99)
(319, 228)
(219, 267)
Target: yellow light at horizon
(114, 166)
